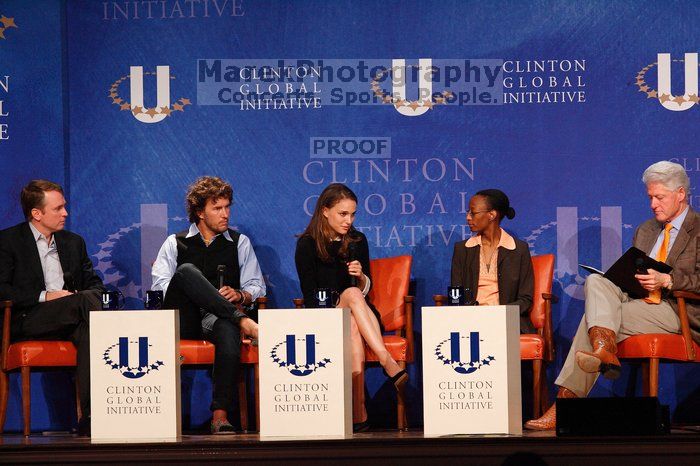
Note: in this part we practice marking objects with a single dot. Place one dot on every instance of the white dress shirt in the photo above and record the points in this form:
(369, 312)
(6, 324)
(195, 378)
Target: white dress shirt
(50, 263)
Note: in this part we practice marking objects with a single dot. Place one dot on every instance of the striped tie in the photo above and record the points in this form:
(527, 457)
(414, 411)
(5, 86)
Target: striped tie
(661, 256)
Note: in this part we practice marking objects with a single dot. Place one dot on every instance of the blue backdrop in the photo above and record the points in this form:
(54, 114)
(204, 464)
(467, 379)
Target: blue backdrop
(556, 103)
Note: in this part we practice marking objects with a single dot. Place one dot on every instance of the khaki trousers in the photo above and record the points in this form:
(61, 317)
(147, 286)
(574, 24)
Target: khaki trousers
(608, 306)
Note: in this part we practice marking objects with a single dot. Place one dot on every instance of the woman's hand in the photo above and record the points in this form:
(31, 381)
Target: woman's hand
(355, 269)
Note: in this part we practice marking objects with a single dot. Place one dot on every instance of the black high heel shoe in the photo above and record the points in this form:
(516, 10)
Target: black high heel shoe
(360, 427)
(399, 380)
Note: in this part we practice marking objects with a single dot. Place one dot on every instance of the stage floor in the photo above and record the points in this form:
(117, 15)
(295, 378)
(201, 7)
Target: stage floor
(681, 447)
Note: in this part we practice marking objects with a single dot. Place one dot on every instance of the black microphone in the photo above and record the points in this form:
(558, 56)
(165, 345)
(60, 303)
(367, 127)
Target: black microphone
(639, 266)
(68, 282)
(351, 257)
(220, 273)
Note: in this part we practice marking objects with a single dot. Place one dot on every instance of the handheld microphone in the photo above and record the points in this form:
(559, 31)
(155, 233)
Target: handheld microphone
(351, 257)
(68, 282)
(639, 266)
(220, 273)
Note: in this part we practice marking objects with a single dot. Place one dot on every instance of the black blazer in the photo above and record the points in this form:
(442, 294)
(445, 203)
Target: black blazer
(21, 276)
(516, 280)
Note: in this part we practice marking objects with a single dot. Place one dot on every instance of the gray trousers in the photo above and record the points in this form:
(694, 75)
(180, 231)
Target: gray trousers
(608, 306)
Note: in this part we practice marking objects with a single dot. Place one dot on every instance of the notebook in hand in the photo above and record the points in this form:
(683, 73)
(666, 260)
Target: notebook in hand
(623, 270)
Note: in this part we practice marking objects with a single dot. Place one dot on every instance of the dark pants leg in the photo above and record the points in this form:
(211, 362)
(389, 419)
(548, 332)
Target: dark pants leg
(189, 291)
(226, 336)
(64, 318)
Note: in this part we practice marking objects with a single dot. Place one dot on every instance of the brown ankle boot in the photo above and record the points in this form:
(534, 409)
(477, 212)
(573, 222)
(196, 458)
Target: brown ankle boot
(548, 421)
(603, 358)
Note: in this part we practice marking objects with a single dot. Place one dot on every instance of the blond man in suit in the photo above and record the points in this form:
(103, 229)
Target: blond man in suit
(47, 274)
(611, 315)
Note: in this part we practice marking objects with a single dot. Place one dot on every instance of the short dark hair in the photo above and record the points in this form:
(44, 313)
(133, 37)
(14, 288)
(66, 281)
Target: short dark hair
(33, 195)
(203, 189)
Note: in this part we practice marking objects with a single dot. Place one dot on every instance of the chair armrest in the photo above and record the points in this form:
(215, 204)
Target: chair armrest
(262, 302)
(686, 295)
(298, 302)
(440, 299)
(547, 331)
(7, 306)
(681, 296)
(408, 309)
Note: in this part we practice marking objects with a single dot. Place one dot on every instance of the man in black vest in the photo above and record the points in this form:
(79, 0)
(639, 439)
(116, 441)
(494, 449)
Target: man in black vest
(210, 273)
(46, 272)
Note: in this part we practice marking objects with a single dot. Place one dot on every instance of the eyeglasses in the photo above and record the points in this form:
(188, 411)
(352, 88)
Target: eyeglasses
(472, 214)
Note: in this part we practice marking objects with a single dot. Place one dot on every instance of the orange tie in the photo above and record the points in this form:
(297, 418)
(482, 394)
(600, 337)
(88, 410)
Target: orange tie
(655, 296)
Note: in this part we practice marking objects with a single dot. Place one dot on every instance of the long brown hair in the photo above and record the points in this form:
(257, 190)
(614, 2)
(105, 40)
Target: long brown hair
(318, 227)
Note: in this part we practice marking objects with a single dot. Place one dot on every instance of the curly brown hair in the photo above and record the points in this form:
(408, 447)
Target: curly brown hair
(203, 189)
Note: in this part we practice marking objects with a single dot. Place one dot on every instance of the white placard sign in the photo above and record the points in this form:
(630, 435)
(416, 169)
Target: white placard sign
(471, 370)
(135, 376)
(305, 378)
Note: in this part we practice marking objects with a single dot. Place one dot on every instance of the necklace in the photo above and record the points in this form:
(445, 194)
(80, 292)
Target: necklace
(488, 263)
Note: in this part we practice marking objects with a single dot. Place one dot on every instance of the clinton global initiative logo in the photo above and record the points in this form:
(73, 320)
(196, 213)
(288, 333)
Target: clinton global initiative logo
(449, 351)
(544, 81)
(663, 91)
(284, 354)
(398, 96)
(5, 24)
(412, 87)
(131, 357)
(136, 106)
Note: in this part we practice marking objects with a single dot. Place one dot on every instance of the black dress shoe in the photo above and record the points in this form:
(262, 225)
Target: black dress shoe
(360, 427)
(84, 425)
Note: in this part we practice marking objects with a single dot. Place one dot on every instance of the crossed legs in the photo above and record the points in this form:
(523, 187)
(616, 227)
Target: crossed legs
(609, 308)
(610, 317)
(191, 292)
(364, 328)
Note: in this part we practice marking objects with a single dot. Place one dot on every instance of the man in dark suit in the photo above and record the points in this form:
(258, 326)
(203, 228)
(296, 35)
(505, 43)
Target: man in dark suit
(611, 315)
(46, 272)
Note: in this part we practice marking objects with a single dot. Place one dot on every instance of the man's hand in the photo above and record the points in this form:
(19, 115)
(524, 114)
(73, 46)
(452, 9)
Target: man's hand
(249, 327)
(230, 294)
(51, 295)
(653, 280)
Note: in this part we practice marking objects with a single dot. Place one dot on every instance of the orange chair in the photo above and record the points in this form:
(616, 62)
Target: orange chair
(201, 352)
(390, 280)
(536, 347)
(26, 355)
(652, 348)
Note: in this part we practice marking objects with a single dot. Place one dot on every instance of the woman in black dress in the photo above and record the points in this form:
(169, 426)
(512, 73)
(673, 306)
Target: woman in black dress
(332, 254)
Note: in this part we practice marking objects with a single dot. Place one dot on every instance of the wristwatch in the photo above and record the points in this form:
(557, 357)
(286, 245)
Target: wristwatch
(242, 297)
(669, 285)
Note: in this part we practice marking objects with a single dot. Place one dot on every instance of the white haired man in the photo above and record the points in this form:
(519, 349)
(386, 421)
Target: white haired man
(611, 315)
